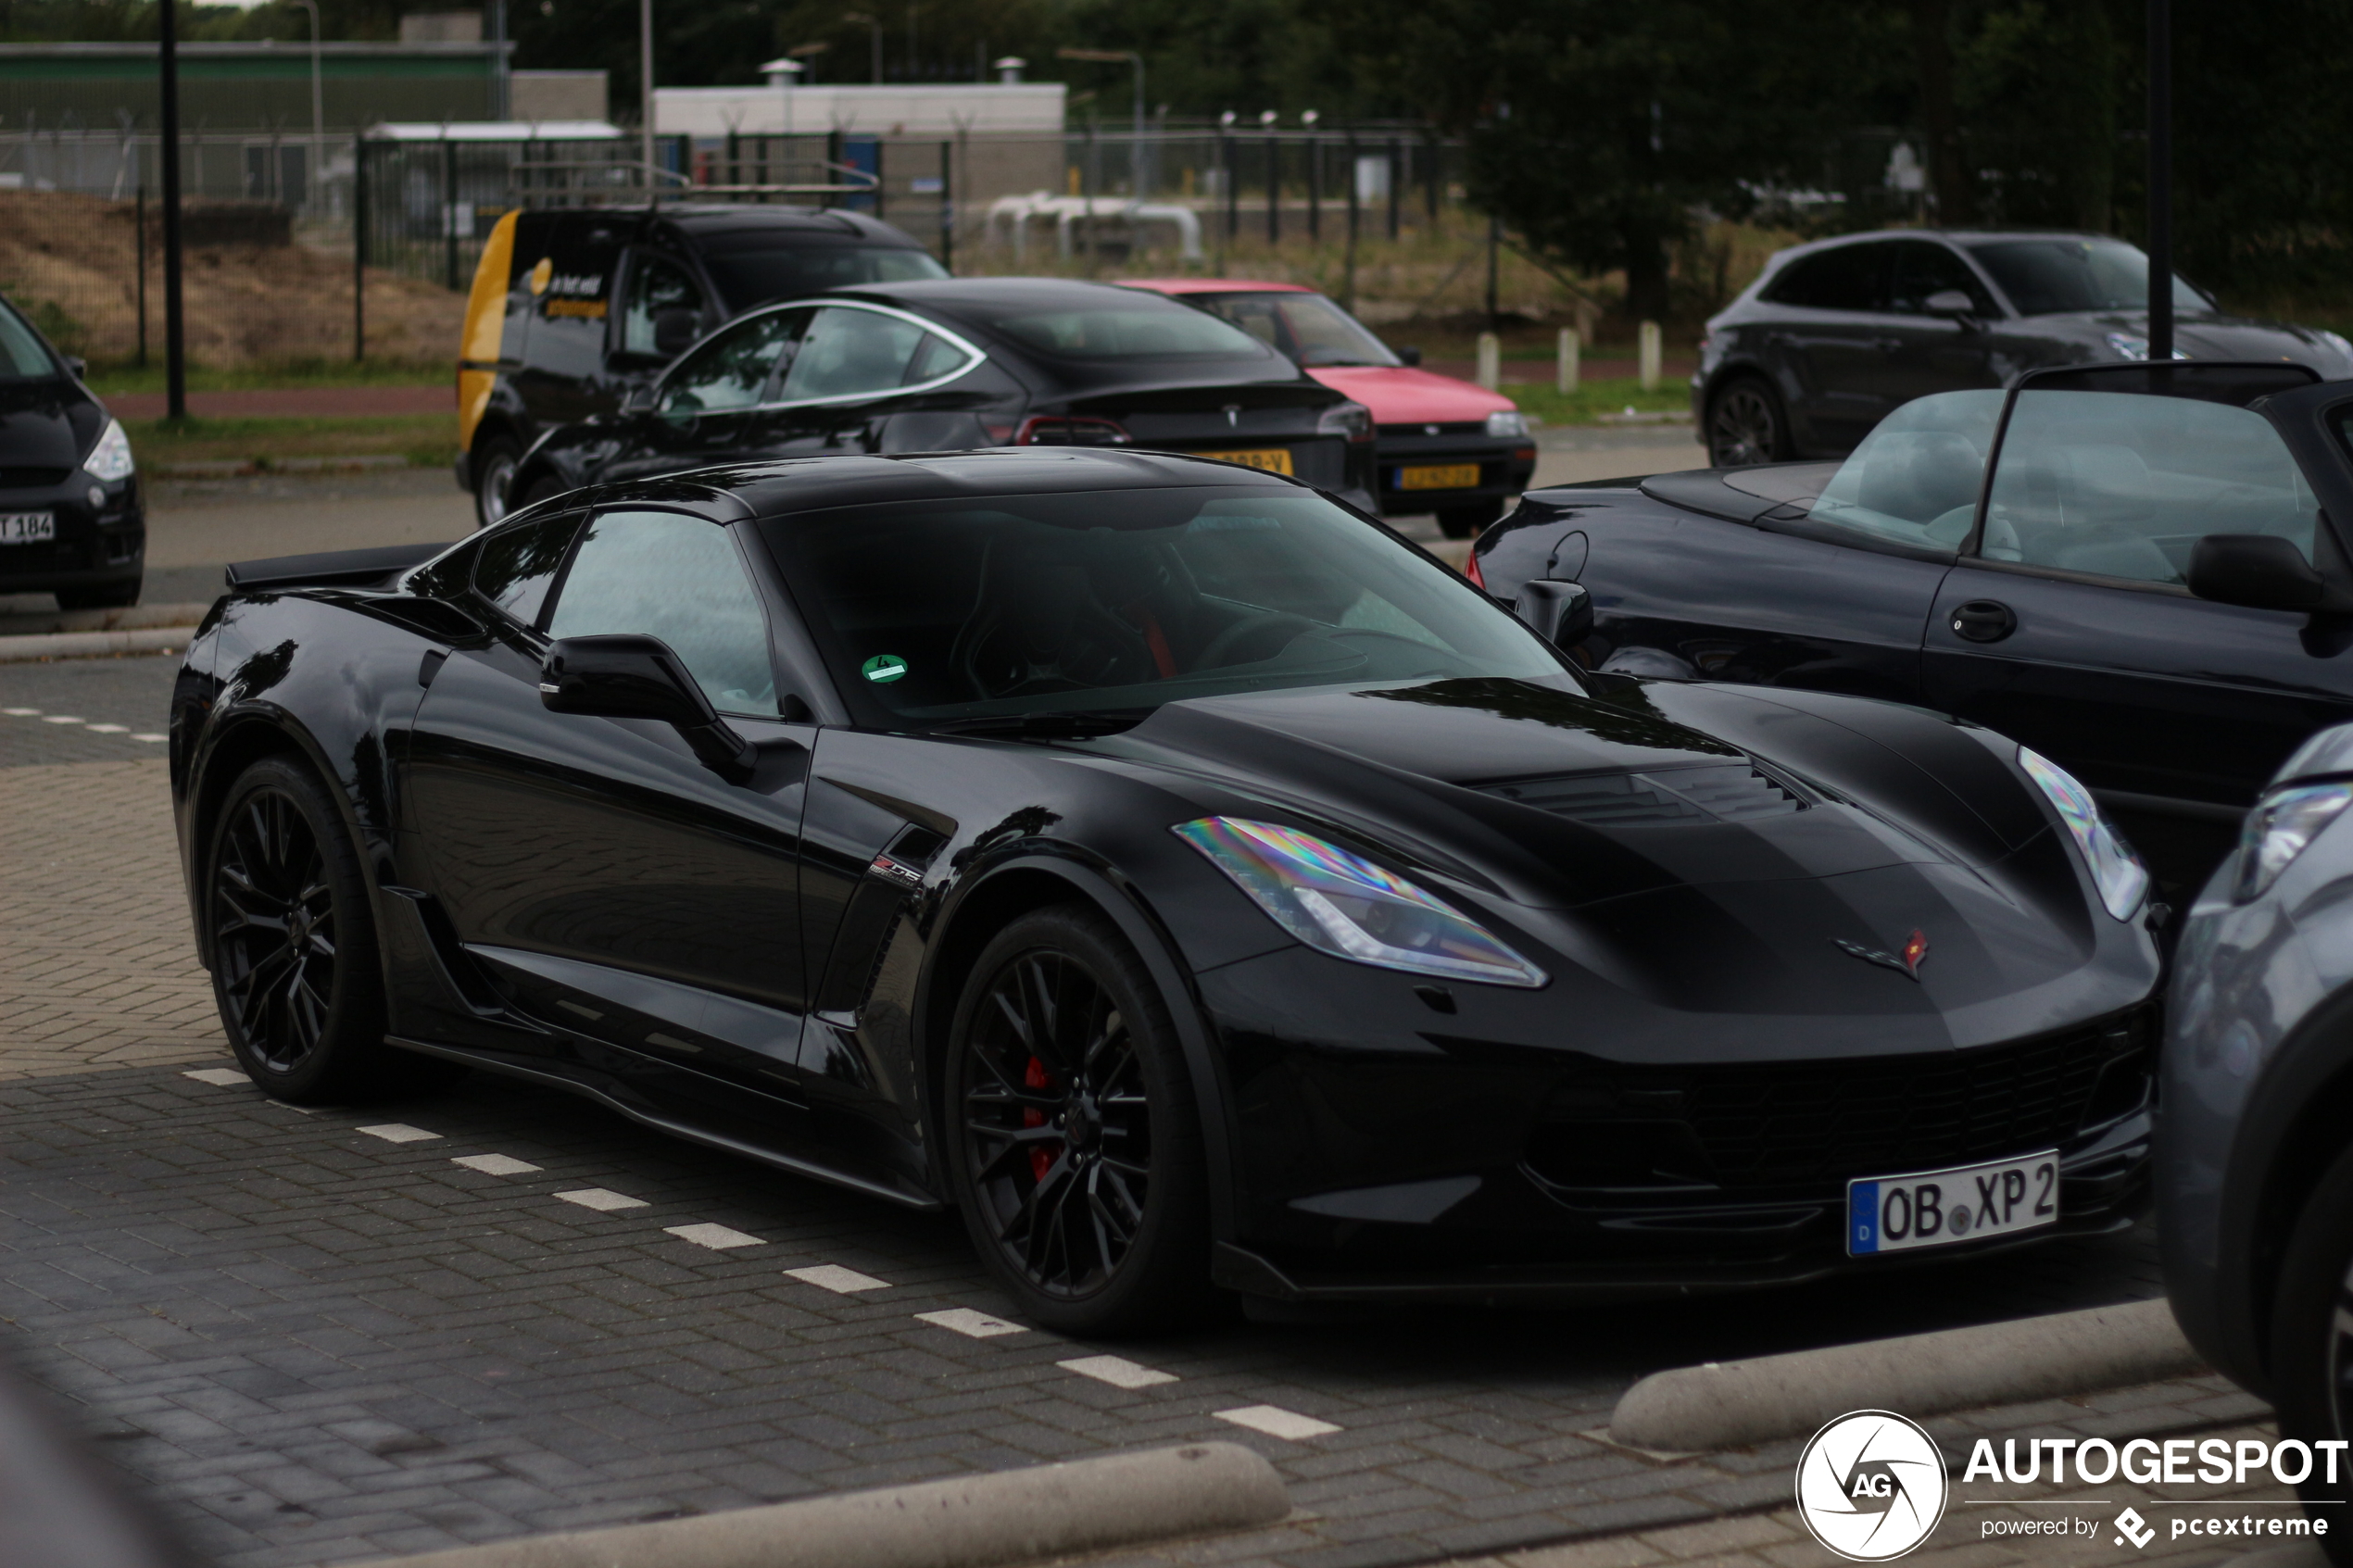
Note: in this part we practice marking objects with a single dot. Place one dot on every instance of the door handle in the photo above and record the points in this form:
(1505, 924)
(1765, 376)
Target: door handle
(1983, 620)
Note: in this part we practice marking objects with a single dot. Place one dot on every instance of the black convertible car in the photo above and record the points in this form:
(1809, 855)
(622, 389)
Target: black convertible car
(2139, 571)
(955, 363)
(1178, 873)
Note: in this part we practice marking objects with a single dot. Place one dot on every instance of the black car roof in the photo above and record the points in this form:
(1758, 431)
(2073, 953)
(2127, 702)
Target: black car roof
(713, 220)
(946, 294)
(808, 485)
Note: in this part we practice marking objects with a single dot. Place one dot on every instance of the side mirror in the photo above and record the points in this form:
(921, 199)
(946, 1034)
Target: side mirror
(675, 332)
(638, 398)
(1410, 356)
(627, 676)
(2260, 570)
(1561, 613)
(1951, 301)
(77, 367)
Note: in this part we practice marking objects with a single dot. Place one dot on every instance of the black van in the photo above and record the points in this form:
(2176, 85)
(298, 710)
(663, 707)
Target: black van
(570, 308)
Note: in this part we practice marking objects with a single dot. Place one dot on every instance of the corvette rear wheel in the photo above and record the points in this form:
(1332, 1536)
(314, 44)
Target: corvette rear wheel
(1745, 425)
(293, 945)
(1074, 1142)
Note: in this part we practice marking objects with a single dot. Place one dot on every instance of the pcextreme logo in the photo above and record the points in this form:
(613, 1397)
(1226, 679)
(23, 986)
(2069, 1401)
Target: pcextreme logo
(1870, 1485)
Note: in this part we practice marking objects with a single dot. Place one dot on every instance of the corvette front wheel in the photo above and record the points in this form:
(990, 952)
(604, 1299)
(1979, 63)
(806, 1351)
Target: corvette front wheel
(1075, 1141)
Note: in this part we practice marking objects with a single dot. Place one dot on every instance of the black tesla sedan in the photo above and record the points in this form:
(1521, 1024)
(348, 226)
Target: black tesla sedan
(1175, 872)
(2151, 586)
(71, 522)
(951, 364)
(1832, 336)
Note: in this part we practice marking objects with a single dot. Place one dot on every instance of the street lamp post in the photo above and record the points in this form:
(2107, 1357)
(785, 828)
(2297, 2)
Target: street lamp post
(862, 18)
(646, 92)
(1138, 165)
(2160, 234)
(317, 113)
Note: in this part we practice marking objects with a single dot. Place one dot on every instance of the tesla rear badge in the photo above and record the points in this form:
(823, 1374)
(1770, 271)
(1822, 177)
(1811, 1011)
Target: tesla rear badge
(1233, 412)
(1907, 962)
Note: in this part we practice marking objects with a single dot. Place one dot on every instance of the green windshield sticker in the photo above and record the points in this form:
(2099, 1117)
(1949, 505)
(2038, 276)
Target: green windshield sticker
(884, 668)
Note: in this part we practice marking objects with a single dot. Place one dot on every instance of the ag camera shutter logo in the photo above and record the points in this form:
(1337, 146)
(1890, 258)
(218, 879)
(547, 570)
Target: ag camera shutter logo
(1871, 1485)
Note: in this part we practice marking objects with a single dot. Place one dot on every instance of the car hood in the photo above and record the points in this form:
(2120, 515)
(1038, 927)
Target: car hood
(1401, 394)
(2202, 335)
(46, 425)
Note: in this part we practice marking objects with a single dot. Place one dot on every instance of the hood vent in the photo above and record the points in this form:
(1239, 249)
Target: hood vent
(1732, 792)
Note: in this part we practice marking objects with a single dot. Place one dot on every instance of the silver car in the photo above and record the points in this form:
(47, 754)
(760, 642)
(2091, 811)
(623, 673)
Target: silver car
(2255, 1123)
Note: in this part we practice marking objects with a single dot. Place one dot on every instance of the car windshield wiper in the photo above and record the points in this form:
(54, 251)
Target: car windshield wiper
(1074, 724)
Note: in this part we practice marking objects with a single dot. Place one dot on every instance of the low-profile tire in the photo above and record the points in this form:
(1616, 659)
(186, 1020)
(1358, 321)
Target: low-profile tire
(1746, 424)
(1468, 522)
(1074, 1142)
(494, 465)
(113, 596)
(2311, 1359)
(292, 943)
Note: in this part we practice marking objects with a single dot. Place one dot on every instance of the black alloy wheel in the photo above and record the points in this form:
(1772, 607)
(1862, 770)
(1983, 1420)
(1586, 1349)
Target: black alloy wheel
(2311, 1346)
(1075, 1144)
(291, 945)
(1745, 425)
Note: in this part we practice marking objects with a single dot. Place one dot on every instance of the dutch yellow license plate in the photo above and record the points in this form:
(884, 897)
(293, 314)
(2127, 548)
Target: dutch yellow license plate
(1274, 460)
(1440, 476)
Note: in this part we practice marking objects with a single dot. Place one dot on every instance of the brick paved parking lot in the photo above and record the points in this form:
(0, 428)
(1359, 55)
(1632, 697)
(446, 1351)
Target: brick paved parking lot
(326, 1335)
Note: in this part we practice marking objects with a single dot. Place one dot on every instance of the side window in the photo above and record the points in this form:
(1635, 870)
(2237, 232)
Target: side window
(2125, 484)
(660, 574)
(1848, 278)
(448, 576)
(1922, 270)
(846, 352)
(517, 565)
(655, 286)
(736, 369)
(935, 358)
(1257, 317)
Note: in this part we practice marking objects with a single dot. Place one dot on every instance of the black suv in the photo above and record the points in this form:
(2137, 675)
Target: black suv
(1833, 336)
(572, 309)
(71, 522)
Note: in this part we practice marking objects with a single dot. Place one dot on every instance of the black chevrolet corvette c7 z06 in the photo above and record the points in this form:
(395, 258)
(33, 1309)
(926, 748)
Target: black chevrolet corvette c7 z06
(1183, 876)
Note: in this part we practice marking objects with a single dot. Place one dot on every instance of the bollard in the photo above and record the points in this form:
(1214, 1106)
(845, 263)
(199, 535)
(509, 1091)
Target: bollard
(1566, 373)
(1649, 356)
(1490, 361)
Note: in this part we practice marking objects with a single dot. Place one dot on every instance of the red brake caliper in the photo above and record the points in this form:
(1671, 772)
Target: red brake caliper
(1040, 1159)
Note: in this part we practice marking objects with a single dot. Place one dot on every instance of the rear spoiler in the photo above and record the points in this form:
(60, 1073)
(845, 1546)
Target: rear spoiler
(327, 568)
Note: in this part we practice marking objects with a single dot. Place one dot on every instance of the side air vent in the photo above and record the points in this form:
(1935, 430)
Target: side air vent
(1732, 793)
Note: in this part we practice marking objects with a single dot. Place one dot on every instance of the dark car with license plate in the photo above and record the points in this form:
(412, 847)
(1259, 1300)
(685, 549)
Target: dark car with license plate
(1834, 335)
(968, 362)
(73, 522)
(1178, 873)
(2152, 586)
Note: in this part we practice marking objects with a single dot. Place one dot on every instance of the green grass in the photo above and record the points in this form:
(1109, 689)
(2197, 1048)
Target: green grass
(110, 379)
(423, 439)
(1593, 398)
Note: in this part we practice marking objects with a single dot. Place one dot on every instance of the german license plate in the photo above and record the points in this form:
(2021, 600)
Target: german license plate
(1939, 1207)
(1438, 476)
(1274, 460)
(26, 528)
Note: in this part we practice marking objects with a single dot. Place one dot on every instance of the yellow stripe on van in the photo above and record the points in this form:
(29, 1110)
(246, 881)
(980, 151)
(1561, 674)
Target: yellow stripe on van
(485, 324)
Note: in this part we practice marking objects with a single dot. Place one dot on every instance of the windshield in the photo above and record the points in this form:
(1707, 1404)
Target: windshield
(755, 277)
(1151, 329)
(938, 611)
(2045, 277)
(21, 355)
(1308, 327)
(1914, 478)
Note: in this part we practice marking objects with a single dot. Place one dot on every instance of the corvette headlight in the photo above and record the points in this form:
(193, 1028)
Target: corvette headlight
(2116, 869)
(110, 458)
(2279, 828)
(1506, 426)
(1342, 904)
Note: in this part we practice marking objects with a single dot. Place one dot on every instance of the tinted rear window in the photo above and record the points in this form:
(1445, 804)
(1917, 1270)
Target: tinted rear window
(1147, 330)
(800, 269)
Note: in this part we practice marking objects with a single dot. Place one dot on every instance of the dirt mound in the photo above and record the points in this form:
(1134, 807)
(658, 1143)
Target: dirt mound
(71, 262)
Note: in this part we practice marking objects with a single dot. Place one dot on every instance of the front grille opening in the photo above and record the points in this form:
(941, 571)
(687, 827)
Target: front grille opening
(1729, 793)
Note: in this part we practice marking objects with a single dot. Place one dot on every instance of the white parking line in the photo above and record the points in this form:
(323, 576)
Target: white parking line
(224, 1077)
(975, 1325)
(397, 1132)
(63, 719)
(150, 737)
(601, 1198)
(494, 1164)
(719, 1238)
(110, 729)
(21, 713)
(833, 1277)
(1277, 1421)
(1117, 1371)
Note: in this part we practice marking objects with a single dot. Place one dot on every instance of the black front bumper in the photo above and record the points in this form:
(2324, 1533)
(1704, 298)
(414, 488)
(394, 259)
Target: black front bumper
(1504, 467)
(95, 546)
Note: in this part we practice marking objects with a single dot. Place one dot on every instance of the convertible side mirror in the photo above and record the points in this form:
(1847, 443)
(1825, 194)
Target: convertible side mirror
(675, 332)
(1950, 302)
(627, 676)
(1410, 356)
(2260, 570)
(1561, 613)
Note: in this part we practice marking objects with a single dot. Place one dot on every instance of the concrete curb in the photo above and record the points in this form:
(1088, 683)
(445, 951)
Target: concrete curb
(130, 618)
(1698, 1410)
(972, 1521)
(88, 644)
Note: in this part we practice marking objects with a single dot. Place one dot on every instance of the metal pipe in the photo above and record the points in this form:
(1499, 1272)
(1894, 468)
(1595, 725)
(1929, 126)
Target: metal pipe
(359, 249)
(2160, 234)
(175, 357)
(317, 113)
(645, 94)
